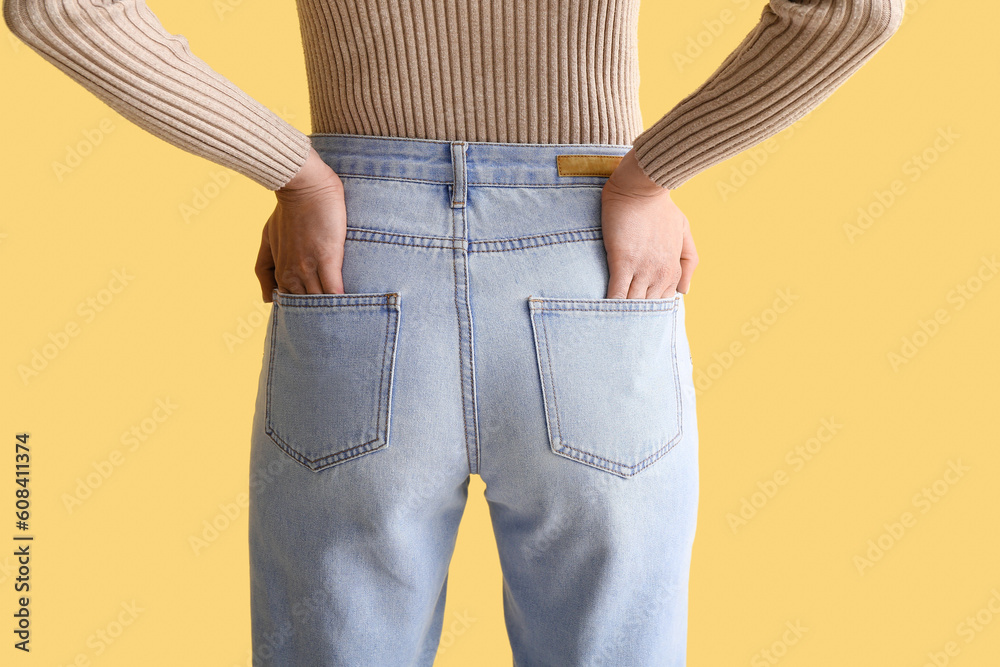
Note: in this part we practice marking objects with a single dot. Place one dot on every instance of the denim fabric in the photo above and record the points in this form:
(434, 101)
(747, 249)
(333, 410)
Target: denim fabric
(473, 337)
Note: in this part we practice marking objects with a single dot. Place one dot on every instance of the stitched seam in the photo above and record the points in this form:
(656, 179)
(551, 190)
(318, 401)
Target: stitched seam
(529, 247)
(472, 373)
(354, 232)
(582, 230)
(507, 184)
(596, 186)
(391, 178)
(316, 301)
(474, 243)
(552, 381)
(677, 385)
(333, 305)
(369, 230)
(649, 311)
(669, 301)
(270, 368)
(407, 245)
(344, 454)
(641, 464)
(381, 379)
(610, 310)
(461, 164)
(567, 156)
(551, 299)
(461, 358)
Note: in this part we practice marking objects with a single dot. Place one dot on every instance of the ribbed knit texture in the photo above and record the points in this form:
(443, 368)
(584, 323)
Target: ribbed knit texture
(533, 71)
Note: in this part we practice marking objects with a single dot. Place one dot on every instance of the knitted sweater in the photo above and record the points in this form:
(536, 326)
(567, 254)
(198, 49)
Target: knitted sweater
(522, 71)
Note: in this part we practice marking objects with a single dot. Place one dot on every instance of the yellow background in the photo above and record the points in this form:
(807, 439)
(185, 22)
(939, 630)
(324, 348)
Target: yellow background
(824, 357)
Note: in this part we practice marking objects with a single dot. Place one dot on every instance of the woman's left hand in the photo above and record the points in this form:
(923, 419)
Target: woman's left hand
(647, 238)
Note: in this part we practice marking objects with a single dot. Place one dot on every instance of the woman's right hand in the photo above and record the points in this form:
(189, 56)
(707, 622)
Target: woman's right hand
(302, 245)
(650, 251)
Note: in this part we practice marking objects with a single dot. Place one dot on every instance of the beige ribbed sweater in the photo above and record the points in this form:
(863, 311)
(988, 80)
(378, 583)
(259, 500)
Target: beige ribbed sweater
(525, 71)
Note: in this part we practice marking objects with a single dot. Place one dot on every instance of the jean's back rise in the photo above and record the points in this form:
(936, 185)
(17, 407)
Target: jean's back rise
(473, 337)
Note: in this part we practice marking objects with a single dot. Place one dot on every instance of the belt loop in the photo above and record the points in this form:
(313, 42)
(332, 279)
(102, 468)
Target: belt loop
(458, 185)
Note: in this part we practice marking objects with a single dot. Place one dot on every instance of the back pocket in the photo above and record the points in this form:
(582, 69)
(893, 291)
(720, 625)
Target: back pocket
(609, 379)
(330, 373)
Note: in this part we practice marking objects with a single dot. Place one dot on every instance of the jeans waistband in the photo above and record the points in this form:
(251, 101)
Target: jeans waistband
(459, 163)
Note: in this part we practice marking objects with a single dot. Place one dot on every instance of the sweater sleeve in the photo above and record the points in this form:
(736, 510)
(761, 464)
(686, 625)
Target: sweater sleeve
(119, 51)
(794, 58)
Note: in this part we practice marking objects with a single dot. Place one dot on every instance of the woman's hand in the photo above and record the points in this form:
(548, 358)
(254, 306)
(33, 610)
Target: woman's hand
(647, 239)
(302, 249)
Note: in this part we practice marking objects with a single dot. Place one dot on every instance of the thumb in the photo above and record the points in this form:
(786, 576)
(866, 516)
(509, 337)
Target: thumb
(689, 260)
(265, 267)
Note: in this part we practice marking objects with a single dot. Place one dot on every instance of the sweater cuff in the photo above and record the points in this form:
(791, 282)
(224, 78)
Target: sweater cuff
(299, 144)
(654, 159)
(645, 156)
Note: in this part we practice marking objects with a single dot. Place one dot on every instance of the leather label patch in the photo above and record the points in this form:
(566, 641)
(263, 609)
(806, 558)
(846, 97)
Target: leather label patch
(587, 165)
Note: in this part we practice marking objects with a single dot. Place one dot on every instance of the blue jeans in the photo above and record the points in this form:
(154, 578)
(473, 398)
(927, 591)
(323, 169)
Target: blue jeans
(473, 337)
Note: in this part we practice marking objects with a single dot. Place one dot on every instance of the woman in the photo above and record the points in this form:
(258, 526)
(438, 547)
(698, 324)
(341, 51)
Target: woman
(475, 268)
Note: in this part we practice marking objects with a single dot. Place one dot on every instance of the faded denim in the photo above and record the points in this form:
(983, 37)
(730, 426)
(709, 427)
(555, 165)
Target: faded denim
(473, 338)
